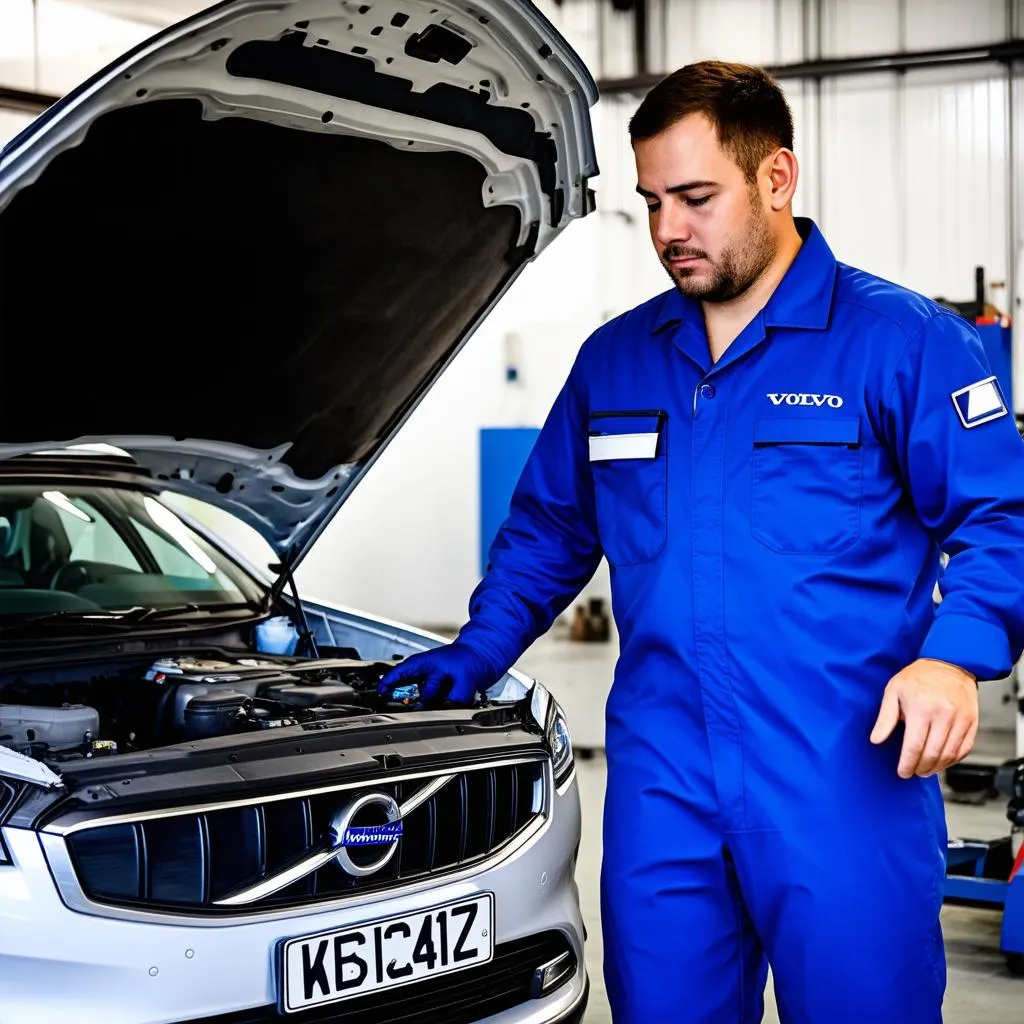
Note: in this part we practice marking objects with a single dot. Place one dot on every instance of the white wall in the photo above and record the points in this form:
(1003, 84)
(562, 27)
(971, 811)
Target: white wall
(49, 46)
(908, 176)
(11, 122)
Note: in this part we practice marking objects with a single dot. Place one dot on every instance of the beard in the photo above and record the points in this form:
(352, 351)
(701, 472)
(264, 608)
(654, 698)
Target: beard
(736, 268)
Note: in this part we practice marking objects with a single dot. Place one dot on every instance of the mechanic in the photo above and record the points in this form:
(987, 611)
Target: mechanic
(772, 455)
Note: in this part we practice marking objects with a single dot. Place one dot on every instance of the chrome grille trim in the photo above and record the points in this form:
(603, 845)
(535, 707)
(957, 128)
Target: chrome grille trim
(219, 805)
(58, 854)
(320, 858)
(421, 797)
(279, 881)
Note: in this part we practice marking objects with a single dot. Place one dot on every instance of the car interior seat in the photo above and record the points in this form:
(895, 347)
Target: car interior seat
(49, 547)
(13, 537)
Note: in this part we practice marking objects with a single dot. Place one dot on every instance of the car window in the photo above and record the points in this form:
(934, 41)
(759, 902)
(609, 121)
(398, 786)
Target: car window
(183, 556)
(110, 548)
(171, 558)
(231, 530)
(90, 534)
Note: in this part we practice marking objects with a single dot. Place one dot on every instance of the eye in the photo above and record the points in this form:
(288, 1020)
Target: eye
(653, 207)
(697, 201)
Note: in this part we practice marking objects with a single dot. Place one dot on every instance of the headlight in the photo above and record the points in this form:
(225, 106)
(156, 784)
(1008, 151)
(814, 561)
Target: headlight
(551, 718)
(8, 793)
(17, 773)
(560, 740)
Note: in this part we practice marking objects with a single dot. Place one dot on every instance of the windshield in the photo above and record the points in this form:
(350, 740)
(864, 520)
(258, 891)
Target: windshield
(107, 549)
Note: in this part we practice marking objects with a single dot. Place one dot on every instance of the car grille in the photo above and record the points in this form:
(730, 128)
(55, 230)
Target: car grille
(462, 998)
(188, 861)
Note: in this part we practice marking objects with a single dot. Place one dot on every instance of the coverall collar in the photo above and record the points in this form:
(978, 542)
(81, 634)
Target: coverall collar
(802, 300)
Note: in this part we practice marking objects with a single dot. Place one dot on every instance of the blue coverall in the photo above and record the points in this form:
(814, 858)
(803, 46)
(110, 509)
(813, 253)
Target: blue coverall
(773, 551)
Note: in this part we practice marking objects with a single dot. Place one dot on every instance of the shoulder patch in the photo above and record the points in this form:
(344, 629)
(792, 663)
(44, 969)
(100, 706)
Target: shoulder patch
(979, 403)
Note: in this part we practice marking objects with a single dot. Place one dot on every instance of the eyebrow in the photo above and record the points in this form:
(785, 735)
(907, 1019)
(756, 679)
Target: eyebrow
(685, 187)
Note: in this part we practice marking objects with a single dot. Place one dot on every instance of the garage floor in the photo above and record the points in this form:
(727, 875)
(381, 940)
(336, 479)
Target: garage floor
(980, 989)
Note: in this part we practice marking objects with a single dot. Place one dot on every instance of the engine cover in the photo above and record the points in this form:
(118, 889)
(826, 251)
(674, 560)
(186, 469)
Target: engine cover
(28, 729)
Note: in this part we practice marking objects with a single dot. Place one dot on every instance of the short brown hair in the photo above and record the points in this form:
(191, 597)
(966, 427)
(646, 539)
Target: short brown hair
(746, 106)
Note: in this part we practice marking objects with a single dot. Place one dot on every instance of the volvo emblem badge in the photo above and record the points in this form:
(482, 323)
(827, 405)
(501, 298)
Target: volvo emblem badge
(346, 834)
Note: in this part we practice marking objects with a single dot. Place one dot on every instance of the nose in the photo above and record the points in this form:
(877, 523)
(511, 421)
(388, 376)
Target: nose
(672, 223)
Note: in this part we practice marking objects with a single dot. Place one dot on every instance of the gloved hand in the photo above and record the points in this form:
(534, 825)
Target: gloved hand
(454, 672)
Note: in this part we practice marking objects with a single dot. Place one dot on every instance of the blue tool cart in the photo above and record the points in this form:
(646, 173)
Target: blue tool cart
(990, 873)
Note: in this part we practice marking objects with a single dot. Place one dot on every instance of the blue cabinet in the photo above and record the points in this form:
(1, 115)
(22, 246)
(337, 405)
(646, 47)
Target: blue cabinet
(503, 453)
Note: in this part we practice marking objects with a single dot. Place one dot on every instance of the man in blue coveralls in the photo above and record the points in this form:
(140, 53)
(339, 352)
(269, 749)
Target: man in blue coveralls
(772, 455)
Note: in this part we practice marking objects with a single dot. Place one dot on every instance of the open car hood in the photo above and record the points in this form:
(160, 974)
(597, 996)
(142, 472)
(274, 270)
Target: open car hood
(243, 252)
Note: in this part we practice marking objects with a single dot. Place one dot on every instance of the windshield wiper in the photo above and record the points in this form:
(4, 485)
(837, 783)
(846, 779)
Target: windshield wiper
(137, 615)
(92, 619)
(116, 621)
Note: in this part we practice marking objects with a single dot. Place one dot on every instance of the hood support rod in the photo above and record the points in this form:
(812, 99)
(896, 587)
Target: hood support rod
(284, 568)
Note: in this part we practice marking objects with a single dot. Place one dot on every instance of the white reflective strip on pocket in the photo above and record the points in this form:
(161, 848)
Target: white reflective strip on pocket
(623, 446)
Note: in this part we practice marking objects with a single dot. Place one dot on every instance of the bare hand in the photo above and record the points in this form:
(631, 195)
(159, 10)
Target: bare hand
(939, 704)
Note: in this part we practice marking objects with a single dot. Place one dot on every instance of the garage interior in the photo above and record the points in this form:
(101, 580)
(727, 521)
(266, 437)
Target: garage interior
(912, 110)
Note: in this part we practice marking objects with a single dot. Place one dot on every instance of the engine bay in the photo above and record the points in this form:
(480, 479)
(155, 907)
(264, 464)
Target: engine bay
(100, 711)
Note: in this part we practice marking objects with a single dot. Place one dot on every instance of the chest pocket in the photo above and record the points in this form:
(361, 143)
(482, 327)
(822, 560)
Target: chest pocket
(629, 463)
(806, 485)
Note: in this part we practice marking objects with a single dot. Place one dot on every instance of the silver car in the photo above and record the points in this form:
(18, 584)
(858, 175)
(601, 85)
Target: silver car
(233, 263)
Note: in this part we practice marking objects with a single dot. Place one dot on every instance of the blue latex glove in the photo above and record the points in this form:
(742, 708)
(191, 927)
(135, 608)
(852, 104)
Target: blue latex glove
(455, 672)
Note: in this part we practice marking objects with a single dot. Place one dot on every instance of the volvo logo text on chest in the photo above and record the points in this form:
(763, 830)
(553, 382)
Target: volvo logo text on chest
(804, 398)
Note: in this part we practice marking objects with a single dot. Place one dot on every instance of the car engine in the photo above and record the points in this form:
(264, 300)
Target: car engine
(182, 700)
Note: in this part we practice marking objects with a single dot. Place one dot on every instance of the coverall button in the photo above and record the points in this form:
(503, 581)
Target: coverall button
(707, 391)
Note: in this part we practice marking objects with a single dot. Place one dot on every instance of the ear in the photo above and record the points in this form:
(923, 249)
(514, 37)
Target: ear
(783, 172)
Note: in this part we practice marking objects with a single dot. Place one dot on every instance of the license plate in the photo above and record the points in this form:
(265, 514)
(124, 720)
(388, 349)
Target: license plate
(394, 951)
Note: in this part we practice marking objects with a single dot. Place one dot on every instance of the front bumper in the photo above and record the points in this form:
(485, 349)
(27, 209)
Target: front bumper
(578, 1011)
(60, 964)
